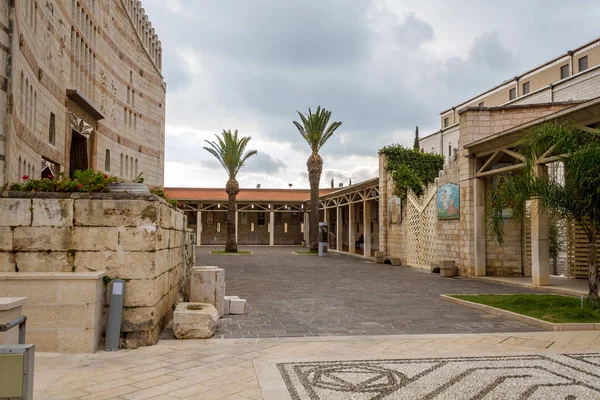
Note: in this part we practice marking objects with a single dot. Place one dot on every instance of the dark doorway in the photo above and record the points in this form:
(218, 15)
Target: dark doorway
(47, 173)
(79, 153)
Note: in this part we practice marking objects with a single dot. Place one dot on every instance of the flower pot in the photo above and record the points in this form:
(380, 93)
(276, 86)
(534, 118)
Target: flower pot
(129, 187)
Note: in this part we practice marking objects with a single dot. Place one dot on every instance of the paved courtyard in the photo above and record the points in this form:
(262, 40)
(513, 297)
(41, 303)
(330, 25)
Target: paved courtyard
(300, 295)
(501, 365)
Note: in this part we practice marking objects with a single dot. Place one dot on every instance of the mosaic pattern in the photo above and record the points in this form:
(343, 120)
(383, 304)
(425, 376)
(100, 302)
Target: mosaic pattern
(570, 377)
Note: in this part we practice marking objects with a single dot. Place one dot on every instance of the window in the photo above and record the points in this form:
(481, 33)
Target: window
(583, 63)
(526, 88)
(512, 94)
(133, 98)
(136, 168)
(126, 165)
(34, 111)
(21, 95)
(564, 71)
(52, 129)
(107, 161)
(446, 122)
(121, 166)
(450, 150)
(131, 77)
(481, 104)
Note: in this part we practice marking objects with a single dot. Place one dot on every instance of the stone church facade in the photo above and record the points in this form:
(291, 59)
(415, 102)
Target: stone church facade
(80, 87)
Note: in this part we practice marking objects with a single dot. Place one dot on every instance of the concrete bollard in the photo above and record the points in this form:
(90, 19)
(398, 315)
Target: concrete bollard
(379, 257)
(207, 285)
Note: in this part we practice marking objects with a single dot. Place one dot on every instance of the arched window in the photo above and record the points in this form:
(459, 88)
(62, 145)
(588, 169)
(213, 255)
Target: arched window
(26, 101)
(20, 174)
(107, 160)
(131, 167)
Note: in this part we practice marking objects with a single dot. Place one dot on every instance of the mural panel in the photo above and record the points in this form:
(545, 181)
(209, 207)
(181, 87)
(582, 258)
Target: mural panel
(448, 201)
(394, 210)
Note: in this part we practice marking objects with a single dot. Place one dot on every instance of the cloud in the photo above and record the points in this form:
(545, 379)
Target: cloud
(381, 66)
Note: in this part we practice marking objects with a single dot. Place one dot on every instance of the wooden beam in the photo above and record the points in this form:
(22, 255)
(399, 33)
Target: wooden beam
(499, 170)
(489, 162)
(514, 154)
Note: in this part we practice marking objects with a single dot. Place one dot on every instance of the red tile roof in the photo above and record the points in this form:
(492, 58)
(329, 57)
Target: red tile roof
(266, 195)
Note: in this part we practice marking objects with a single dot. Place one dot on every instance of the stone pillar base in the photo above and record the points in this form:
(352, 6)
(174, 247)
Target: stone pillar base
(207, 285)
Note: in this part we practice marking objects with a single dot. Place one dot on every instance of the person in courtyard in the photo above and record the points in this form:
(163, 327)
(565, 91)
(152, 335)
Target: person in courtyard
(359, 242)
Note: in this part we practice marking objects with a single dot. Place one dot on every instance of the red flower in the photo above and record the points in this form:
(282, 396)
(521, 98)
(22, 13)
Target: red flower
(105, 176)
(25, 177)
(180, 205)
(49, 176)
(80, 186)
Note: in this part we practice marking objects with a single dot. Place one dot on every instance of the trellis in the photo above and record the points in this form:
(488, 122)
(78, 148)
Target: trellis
(420, 213)
(577, 250)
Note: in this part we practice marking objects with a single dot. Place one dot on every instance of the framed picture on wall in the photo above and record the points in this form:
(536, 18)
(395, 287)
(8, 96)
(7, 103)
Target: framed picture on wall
(448, 201)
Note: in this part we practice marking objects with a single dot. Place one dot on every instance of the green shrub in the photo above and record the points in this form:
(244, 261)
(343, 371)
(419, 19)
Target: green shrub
(89, 181)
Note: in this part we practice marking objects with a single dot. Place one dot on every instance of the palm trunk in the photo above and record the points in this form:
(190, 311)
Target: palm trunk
(232, 190)
(593, 273)
(315, 168)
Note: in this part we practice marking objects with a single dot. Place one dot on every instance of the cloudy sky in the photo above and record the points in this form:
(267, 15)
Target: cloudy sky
(381, 66)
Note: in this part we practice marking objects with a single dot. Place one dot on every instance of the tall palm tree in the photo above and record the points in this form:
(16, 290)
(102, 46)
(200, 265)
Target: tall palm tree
(315, 130)
(229, 150)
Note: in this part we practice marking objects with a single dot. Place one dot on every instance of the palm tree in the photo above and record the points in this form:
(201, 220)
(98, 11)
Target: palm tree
(229, 150)
(575, 197)
(315, 130)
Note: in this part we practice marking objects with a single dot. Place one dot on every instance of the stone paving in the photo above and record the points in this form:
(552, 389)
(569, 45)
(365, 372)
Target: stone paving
(301, 295)
(246, 369)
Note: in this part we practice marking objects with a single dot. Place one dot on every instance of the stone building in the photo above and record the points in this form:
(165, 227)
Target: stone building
(479, 140)
(82, 88)
(560, 79)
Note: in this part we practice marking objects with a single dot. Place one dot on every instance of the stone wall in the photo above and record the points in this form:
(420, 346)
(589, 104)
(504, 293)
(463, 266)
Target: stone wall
(64, 310)
(135, 237)
(448, 232)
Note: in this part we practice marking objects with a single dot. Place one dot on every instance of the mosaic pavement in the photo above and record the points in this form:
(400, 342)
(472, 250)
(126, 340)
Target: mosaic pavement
(569, 377)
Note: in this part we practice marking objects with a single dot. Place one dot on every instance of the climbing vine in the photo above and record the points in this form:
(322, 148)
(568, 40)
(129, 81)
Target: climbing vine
(411, 169)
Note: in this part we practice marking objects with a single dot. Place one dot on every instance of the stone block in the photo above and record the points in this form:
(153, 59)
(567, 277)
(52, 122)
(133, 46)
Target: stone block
(45, 341)
(115, 212)
(122, 264)
(55, 316)
(226, 304)
(379, 257)
(37, 292)
(207, 285)
(78, 292)
(195, 321)
(447, 269)
(15, 212)
(140, 238)
(94, 238)
(396, 261)
(237, 306)
(142, 293)
(7, 263)
(6, 238)
(42, 238)
(42, 261)
(80, 341)
(52, 212)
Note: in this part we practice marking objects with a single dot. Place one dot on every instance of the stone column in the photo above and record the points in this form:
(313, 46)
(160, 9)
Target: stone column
(367, 228)
(351, 231)
(207, 285)
(272, 227)
(479, 219)
(199, 228)
(540, 246)
(236, 226)
(338, 229)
